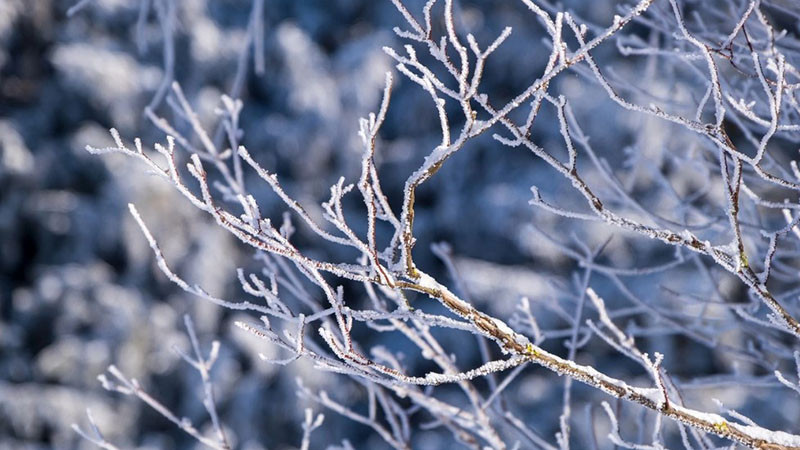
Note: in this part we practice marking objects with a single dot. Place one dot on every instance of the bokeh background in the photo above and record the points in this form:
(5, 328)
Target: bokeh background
(78, 286)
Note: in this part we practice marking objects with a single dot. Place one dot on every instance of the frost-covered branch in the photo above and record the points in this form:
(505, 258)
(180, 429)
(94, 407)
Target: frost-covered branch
(737, 203)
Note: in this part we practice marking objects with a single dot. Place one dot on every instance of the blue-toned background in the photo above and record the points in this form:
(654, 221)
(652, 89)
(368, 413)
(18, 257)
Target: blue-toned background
(78, 286)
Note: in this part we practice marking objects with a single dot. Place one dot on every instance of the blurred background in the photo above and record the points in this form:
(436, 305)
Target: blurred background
(79, 289)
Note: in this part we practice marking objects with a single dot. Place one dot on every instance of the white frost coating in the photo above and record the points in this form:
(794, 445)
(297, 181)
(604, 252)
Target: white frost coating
(776, 437)
(756, 432)
(652, 394)
(428, 282)
(433, 378)
(595, 374)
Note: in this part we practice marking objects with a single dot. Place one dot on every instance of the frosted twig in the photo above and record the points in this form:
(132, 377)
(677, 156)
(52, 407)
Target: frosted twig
(166, 13)
(203, 366)
(793, 386)
(96, 437)
(79, 5)
(309, 425)
(131, 386)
